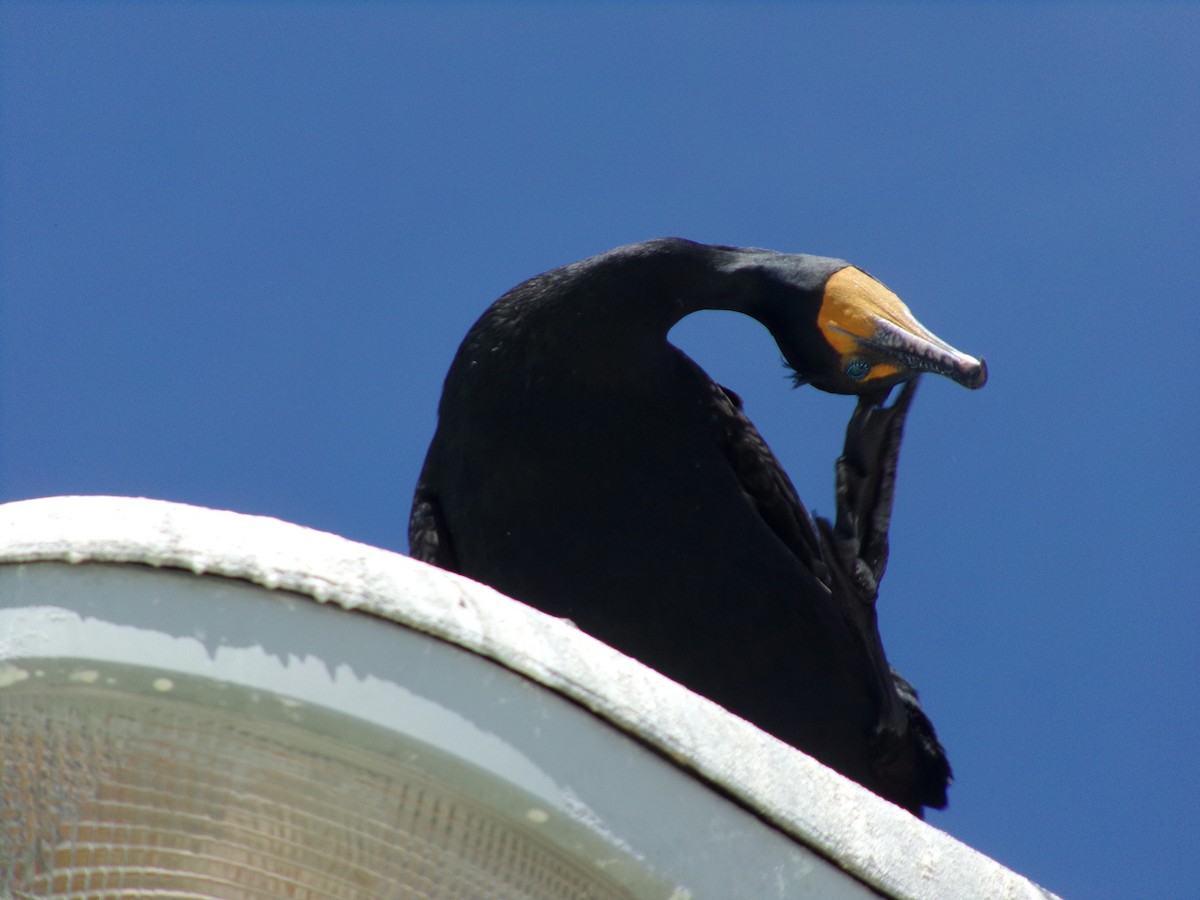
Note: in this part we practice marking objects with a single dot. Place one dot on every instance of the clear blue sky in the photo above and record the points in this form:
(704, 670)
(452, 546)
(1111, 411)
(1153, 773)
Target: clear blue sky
(241, 242)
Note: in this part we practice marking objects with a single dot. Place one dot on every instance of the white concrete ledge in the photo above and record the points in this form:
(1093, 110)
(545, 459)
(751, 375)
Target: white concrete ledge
(876, 842)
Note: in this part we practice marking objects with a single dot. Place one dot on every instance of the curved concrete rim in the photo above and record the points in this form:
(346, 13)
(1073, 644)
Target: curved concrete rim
(873, 840)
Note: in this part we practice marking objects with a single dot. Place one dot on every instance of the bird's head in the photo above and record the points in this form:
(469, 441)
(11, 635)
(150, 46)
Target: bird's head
(842, 331)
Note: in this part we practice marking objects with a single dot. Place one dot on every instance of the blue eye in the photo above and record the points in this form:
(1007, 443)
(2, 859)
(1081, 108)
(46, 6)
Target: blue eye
(857, 369)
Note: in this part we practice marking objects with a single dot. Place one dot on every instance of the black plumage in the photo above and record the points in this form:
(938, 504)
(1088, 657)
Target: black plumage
(588, 467)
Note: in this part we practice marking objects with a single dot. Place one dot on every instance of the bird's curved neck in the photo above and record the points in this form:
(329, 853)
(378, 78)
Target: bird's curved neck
(648, 288)
(606, 319)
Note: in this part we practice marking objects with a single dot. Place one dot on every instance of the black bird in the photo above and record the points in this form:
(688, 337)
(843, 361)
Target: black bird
(585, 465)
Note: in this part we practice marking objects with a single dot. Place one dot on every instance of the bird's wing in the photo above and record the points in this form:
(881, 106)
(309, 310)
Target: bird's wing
(933, 773)
(428, 537)
(762, 477)
(849, 557)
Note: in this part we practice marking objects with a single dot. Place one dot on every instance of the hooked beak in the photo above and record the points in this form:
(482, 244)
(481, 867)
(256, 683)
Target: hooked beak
(913, 345)
(880, 341)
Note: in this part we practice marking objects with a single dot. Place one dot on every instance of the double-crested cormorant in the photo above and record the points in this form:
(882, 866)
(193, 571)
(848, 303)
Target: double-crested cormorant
(585, 465)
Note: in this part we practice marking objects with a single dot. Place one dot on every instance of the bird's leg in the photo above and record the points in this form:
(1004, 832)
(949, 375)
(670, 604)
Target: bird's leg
(866, 486)
(855, 545)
